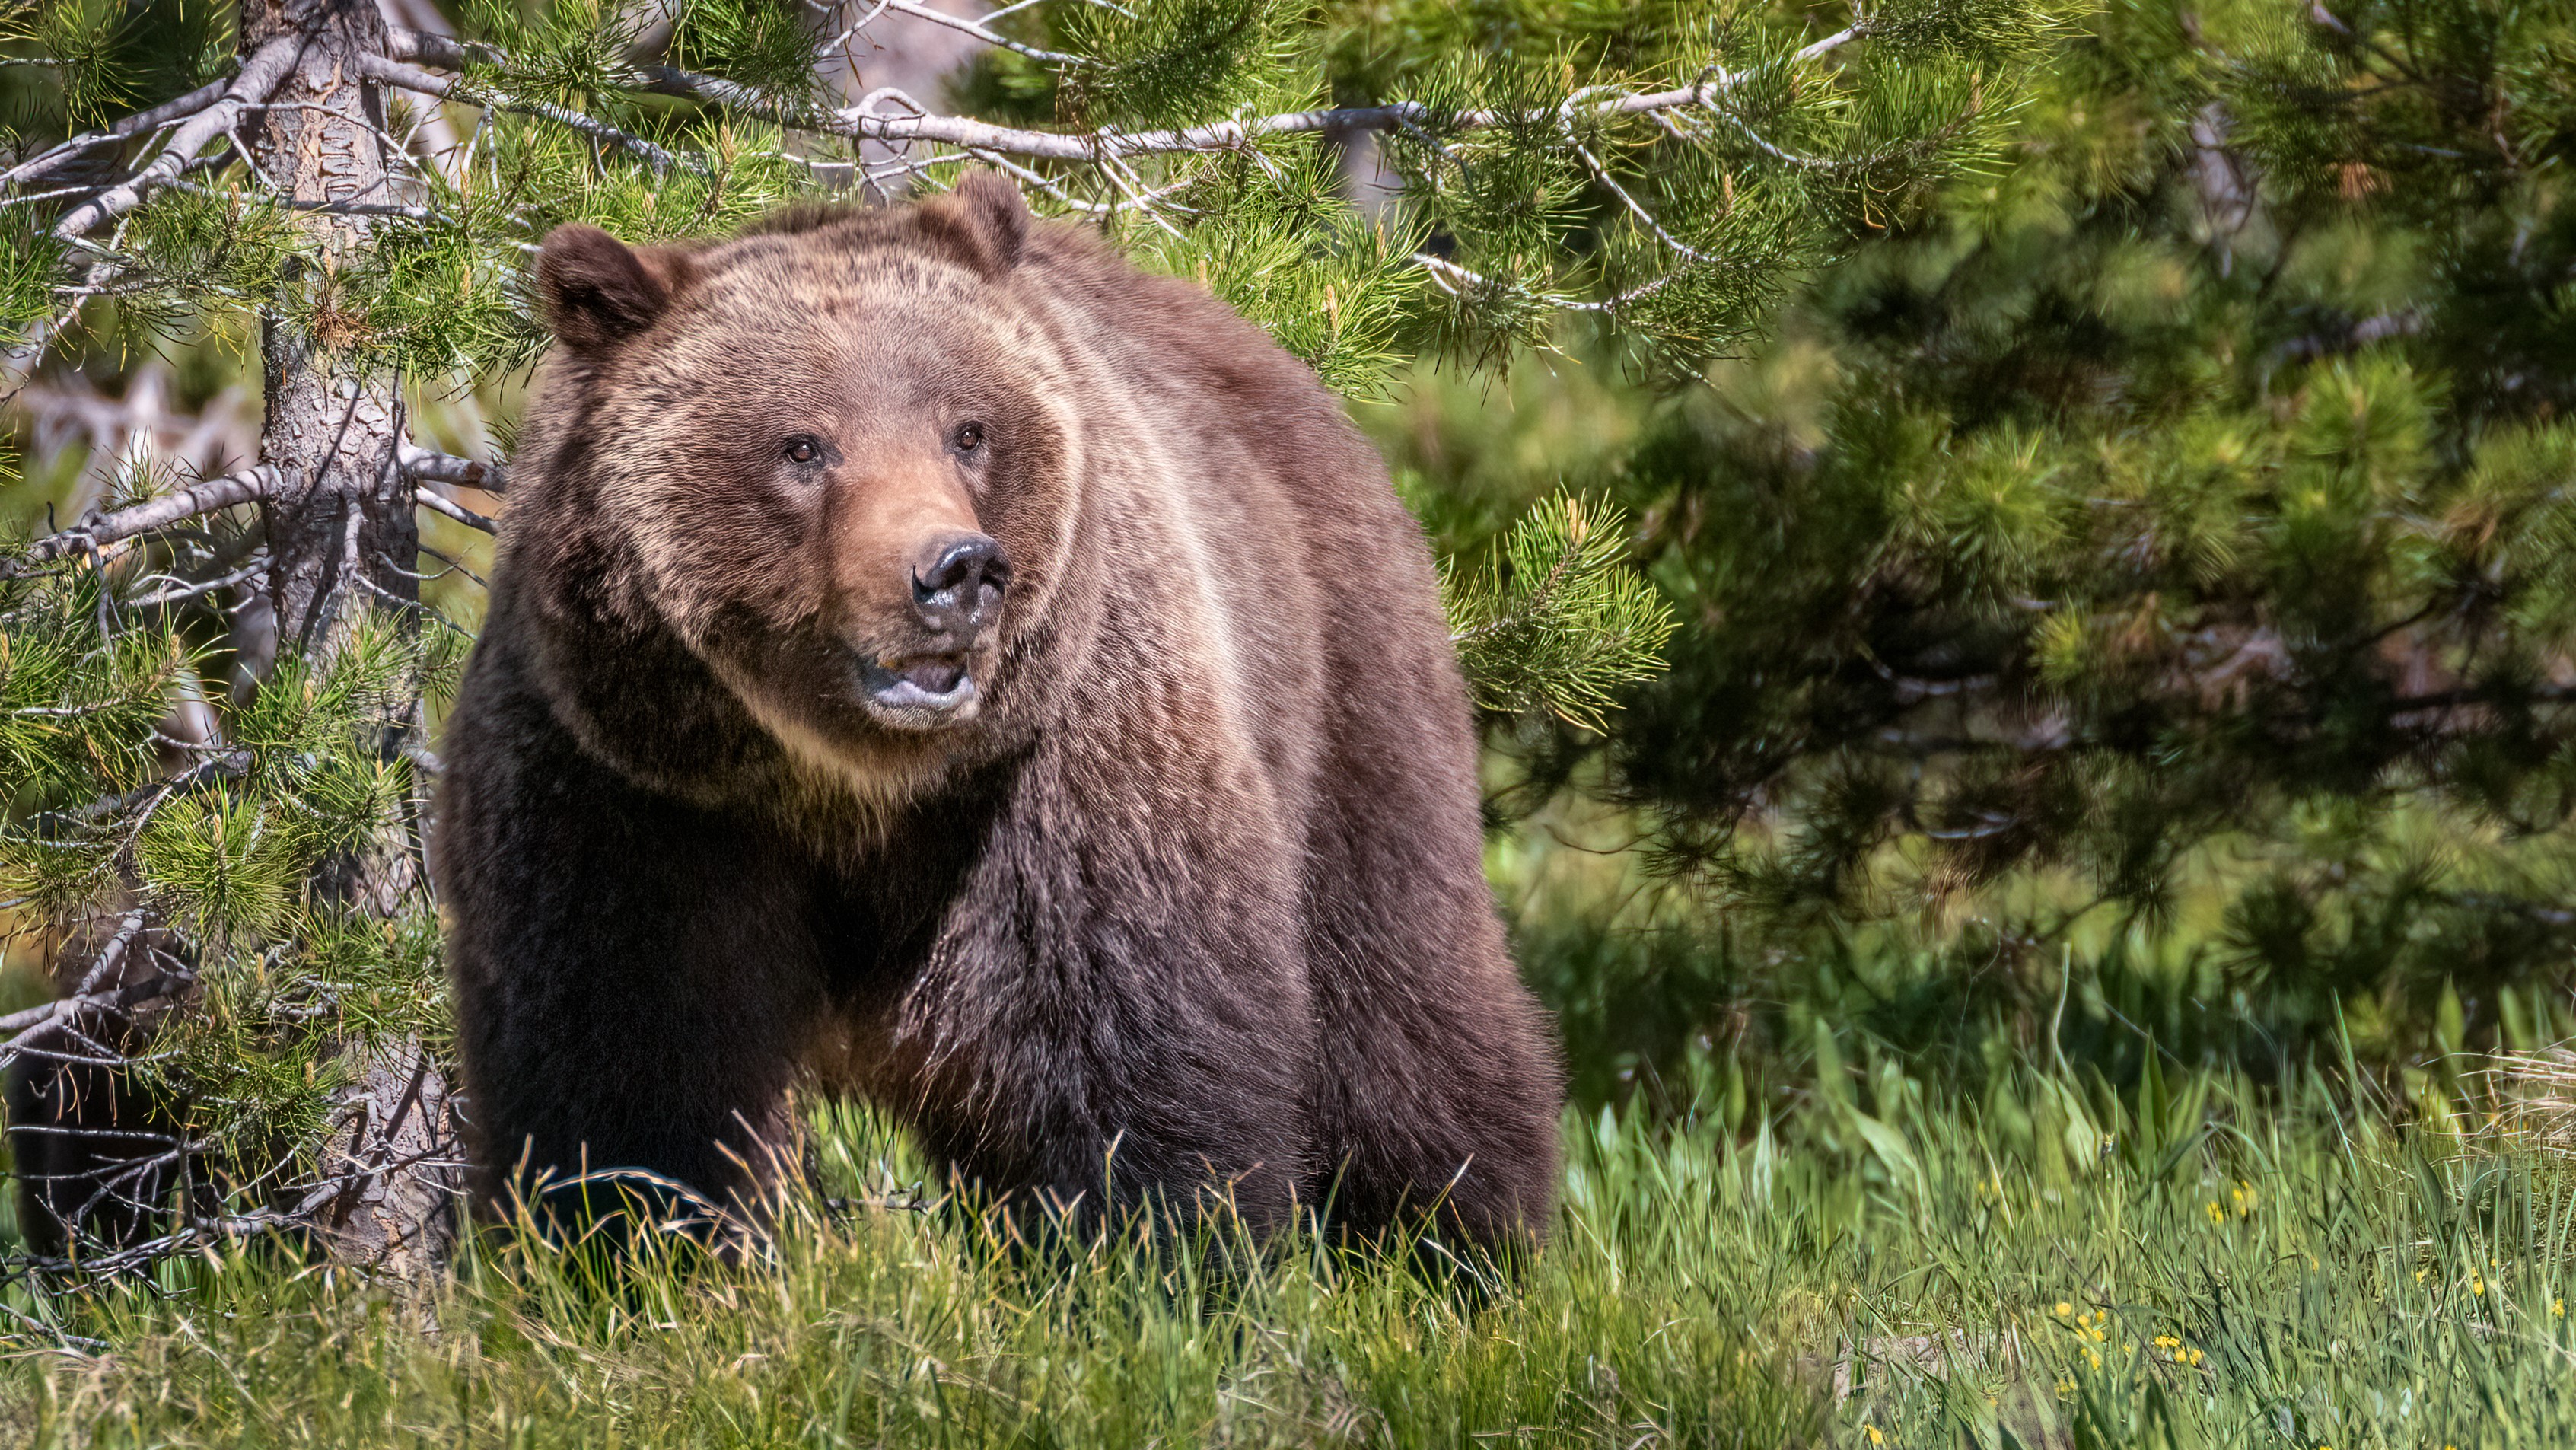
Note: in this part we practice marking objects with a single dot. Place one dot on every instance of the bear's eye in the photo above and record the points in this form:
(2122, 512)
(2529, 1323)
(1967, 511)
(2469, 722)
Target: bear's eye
(800, 450)
(967, 438)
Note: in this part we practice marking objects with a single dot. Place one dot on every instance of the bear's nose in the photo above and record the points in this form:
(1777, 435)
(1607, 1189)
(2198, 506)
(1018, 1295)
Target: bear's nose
(957, 584)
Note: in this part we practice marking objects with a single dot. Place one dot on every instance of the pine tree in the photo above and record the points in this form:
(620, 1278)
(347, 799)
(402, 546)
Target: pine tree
(217, 694)
(2154, 552)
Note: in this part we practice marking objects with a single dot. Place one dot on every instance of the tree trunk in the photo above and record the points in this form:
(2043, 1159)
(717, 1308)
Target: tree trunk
(343, 536)
(341, 529)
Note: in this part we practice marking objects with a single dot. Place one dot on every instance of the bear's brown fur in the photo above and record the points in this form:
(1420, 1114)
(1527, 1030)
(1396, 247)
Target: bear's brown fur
(931, 656)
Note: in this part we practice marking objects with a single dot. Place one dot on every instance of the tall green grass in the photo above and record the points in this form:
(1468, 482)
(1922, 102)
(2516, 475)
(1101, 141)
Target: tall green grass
(2191, 1265)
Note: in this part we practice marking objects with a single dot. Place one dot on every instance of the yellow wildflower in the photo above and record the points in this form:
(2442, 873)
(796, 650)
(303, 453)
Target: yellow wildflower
(2167, 1341)
(2557, 1308)
(2064, 1309)
(2216, 1214)
(2477, 1285)
(1876, 1438)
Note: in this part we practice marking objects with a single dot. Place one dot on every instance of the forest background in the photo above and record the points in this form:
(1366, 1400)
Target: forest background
(2112, 507)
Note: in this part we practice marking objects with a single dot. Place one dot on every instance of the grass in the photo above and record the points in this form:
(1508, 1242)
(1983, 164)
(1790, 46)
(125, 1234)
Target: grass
(2190, 1268)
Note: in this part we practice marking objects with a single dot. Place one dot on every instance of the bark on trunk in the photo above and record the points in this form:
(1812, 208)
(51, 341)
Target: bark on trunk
(391, 1192)
(343, 536)
(341, 528)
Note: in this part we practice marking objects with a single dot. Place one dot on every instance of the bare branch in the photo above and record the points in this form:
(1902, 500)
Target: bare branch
(1232, 135)
(438, 502)
(140, 123)
(1601, 174)
(449, 88)
(225, 764)
(420, 47)
(181, 593)
(66, 1013)
(258, 78)
(989, 37)
(18, 364)
(98, 530)
(113, 954)
(423, 47)
(423, 465)
(670, 80)
(862, 122)
(447, 52)
(118, 1135)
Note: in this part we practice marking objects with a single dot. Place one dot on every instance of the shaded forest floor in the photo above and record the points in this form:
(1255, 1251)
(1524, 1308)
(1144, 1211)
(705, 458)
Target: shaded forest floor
(2184, 1267)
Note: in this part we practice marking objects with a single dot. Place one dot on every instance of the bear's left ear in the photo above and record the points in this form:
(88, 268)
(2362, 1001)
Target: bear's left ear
(598, 291)
(985, 221)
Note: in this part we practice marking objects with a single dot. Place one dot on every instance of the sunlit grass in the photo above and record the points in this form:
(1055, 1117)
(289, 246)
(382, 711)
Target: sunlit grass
(2180, 1270)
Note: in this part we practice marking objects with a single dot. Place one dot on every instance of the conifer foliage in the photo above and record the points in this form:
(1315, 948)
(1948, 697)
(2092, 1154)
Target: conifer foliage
(2157, 551)
(218, 694)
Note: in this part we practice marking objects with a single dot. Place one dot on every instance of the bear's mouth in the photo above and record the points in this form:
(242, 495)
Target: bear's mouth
(918, 692)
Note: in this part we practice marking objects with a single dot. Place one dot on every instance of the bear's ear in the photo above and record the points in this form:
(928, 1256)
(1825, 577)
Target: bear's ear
(984, 221)
(598, 291)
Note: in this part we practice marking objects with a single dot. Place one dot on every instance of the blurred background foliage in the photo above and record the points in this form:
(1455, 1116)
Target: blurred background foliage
(2124, 605)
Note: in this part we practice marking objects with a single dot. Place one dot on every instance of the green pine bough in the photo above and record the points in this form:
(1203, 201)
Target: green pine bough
(1557, 620)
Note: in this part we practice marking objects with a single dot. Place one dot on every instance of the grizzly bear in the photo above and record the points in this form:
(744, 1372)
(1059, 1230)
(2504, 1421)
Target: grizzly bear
(931, 659)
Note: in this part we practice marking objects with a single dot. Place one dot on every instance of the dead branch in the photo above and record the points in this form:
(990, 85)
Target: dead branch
(980, 32)
(862, 122)
(422, 465)
(36, 1023)
(100, 530)
(55, 158)
(258, 78)
(438, 502)
(450, 88)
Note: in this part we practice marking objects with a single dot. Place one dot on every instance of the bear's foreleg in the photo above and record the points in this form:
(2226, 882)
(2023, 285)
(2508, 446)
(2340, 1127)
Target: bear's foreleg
(1116, 1016)
(635, 984)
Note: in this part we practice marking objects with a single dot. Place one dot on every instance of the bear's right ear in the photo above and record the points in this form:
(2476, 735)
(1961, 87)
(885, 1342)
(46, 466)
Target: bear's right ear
(598, 291)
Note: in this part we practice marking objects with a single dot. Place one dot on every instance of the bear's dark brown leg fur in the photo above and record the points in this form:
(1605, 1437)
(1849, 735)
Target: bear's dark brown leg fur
(1438, 1100)
(1115, 1005)
(1438, 1086)
(635, 982)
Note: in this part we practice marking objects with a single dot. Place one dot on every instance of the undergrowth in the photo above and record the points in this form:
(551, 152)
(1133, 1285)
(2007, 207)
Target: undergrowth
(2200, 1263)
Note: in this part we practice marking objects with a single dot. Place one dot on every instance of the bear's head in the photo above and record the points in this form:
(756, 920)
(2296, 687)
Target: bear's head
(834, 457)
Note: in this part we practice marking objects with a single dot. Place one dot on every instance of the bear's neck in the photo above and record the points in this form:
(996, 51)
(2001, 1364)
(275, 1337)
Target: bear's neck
(637, 699)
